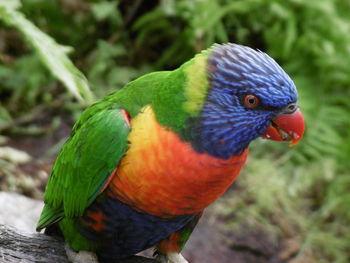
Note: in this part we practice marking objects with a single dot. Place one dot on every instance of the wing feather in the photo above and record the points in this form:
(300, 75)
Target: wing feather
(85, 163)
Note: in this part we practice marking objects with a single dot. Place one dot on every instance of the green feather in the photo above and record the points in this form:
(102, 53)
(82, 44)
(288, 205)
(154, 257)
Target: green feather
(49, 216)
(174, 95)
(99, 138)
(98, 142)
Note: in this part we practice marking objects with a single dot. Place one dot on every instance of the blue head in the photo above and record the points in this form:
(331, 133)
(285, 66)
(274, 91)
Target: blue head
(247, 90)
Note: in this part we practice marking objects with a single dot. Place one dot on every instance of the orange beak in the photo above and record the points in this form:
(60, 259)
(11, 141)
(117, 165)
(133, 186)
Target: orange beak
(286, 127)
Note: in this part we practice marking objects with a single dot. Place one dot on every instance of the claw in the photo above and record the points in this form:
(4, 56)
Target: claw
(171, 258)
(81, 256)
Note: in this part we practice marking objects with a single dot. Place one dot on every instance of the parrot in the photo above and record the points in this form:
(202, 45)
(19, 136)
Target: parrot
(142, 163)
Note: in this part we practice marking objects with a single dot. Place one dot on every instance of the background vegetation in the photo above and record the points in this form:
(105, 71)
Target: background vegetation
(299, 194)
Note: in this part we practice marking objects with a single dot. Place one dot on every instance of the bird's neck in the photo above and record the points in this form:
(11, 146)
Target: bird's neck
(175, 95)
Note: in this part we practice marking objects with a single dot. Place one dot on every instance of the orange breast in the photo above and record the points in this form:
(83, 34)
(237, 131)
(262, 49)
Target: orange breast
(164, 176)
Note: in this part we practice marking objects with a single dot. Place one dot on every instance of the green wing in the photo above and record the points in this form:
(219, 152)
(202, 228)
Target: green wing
(85, 163)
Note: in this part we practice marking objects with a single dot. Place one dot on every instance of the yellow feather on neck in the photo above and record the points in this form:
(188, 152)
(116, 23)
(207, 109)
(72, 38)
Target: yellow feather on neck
(197, 84)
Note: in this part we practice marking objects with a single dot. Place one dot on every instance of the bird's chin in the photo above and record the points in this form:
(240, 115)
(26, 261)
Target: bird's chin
(286, 127)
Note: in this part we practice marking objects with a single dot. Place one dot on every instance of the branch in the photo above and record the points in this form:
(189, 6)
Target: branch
(16, 246)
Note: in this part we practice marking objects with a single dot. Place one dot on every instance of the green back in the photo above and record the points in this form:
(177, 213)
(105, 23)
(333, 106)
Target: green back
(99, 138)
(174, 95)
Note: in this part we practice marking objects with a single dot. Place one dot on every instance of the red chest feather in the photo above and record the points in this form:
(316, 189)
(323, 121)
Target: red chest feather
(164, 176)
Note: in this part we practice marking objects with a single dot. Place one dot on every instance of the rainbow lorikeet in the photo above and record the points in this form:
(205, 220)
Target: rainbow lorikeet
(144, 162)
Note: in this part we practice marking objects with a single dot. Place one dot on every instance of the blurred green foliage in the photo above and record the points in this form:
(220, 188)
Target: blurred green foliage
(113, 42)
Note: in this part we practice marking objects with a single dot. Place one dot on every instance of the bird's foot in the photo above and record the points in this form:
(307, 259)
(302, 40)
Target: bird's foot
(171, 258)
(81, 256)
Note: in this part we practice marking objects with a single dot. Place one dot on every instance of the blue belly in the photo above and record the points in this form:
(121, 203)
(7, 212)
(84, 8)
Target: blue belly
(126, 230)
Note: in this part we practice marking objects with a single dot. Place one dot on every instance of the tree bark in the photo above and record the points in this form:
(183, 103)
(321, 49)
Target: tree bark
(19, 247)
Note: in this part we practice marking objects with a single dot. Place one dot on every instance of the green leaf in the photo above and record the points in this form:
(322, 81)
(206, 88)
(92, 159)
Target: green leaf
(5, 116)
(53, 55)
(103, 10)
(10, 4)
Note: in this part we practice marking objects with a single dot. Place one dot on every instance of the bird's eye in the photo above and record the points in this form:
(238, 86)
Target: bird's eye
(251, 101)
